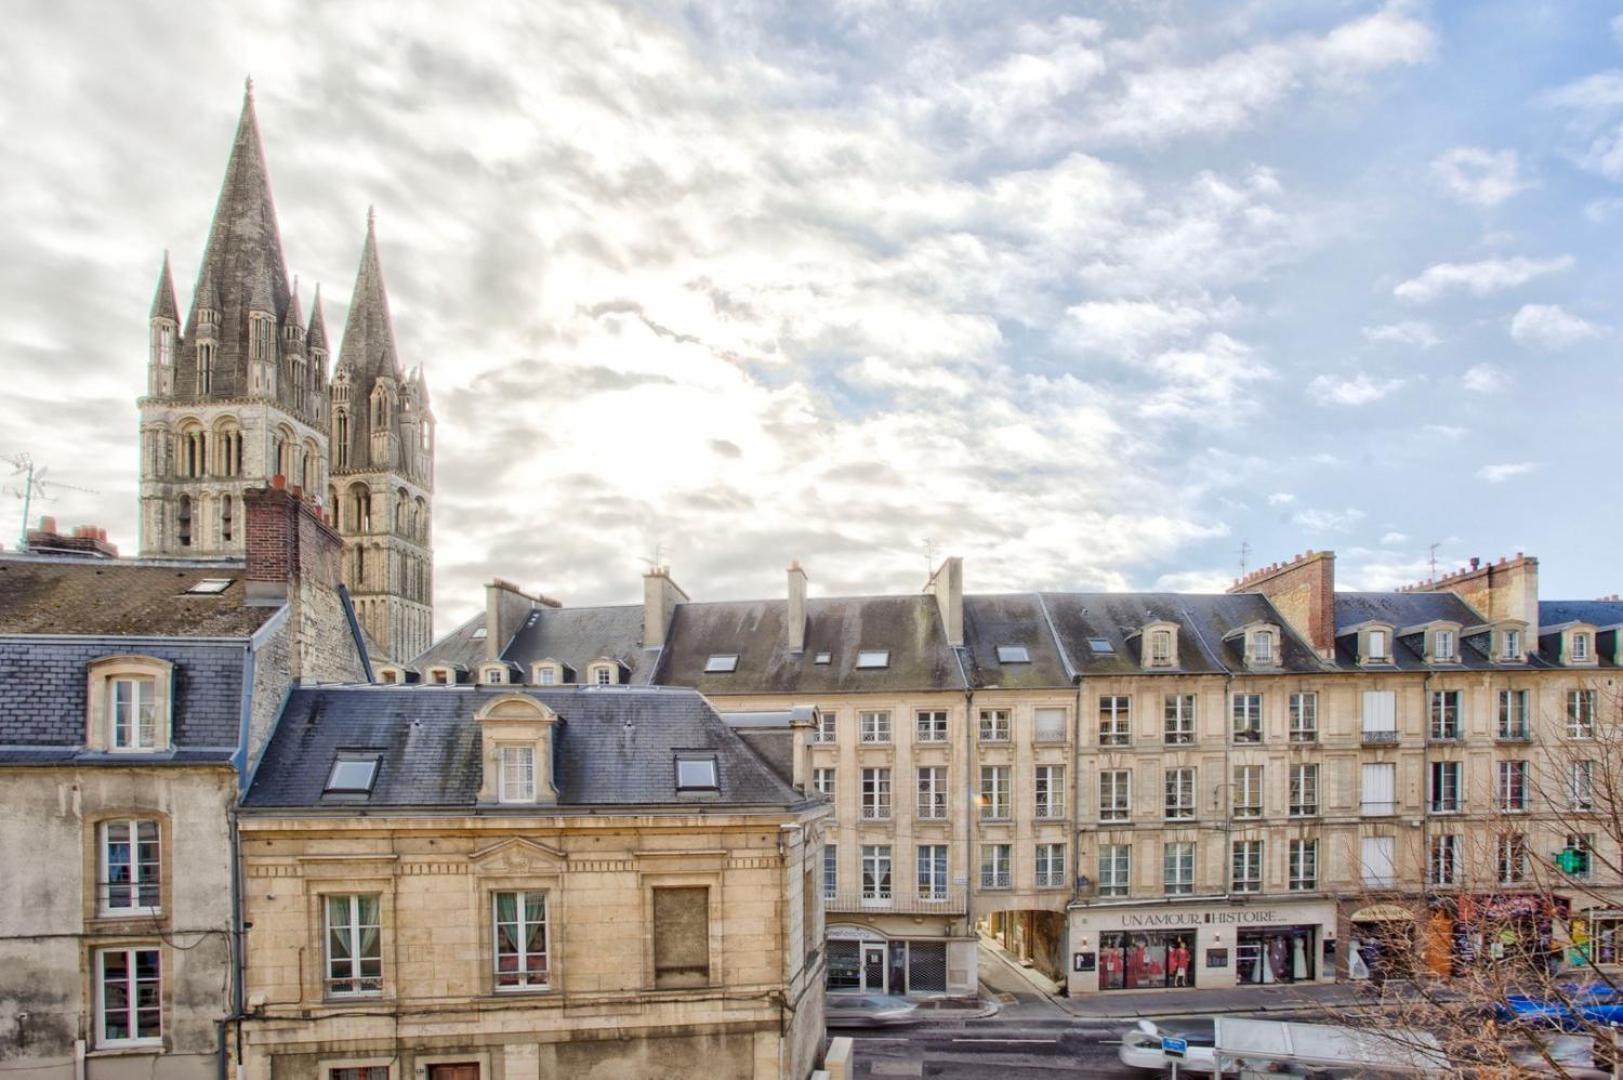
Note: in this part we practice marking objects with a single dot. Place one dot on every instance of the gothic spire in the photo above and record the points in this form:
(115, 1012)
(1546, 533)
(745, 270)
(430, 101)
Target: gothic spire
(295, 314)
(163, 301)
(316, 336)
(368, 347)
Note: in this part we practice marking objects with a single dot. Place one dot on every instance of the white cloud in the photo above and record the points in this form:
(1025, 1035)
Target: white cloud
(1445, 431)
(1477, 176)
(1478, 278)
(1208, 385)
(1328, 520)
(1130, 327)
(1360, 389)
(1617, 29)
(1393, 538)
(1484, 379)
(1593, 93)
(1603, 211)
(1549, 326)
(1497, 474)
(1281, 498)
(1194, 581)
(1407, 332)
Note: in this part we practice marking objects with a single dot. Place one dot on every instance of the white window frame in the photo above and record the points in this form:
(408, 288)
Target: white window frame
(142, 726)
(509, 757)
(876, 793)
(994, 725)
(1511, 789)
(1160, 648)
(1581, 786)
(1580, 714)
(527, 981)
(824, 781)
(878, 872)
(1245, 866)
(828, 724)
(1377, 789)
(1180, 802)
(930, 726)
(132, 997)
(1115, 720)
(1180, 718)
(1446, 716)
(1115, 795)
(1304, 717)
(1178, 867)
(138, 883)
(1511, 642)
(1580, 647)
(831, 871)
(1442, 646)
(1445, 796)
(1443, 859)
(1510, 858)
(996, 866)
(1245, 714)
(997, 793)
(932, 791)
(1050, 865)
(1041, 723)
(1115, 869)
(1262, 647)
(930, 871)
(1048, 790)
(1514, 722)
(1247, 794)
(1302, 873)
(1304, 789)
(1370, 872)
(353, 930)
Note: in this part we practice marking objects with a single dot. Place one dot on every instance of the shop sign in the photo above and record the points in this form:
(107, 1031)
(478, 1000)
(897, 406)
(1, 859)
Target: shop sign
(853, 933)
(1084, 961)
(1194, 917)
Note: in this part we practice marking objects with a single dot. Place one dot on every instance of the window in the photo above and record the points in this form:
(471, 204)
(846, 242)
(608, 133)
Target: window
(931, 727)
(1443, 865)
(1050, 866)
(697, 773)
(1178, 868)
(1161, 648)
(875, 727)
(1115, 724)
(1262, 647)
(932, 872)
(720, 663)
(1513, 725)
(1115, 795)
(876, 872)
(1512, 785)
(1376, 643)
(823, 658)
(1247, 717)
(1512, 851)
(603, 675)
(681, 936)
(995, 793)
(359, 1072)
(994, 725)
(133, 712)
(1580, 714)
(1376, 866)
(873, 658)
(1512, 644)
(1013, 654)
(1247, 791)
(1580, 647)
(1445, 715)
(827, 721)
(1304, 720)
(519, 923)
(1101, 645)
(1180, 719)
(516, 780)
(1577, 859)
(548, 676)
(1581, 785)
(210, 586)
(823, 782)
(1380, 717)
(1050, 791)
(1115, 869)
(1180, 794)
(354, 945)
(876, 794)
(495, 676)
(831, 871)
(995, 866)
(129, 997)
(1246, 866)
(932, 790)
(1378, 789)
(1446, 785)
(353, 774)
(1048, 725)
(1304, 793)
(130, 867)
(1304, 866)
(1442, 646)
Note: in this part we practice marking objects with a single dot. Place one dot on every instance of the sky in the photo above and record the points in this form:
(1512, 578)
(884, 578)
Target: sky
(1106, 296)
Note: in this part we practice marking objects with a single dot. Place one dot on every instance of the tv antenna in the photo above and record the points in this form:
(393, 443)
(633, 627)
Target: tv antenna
(33, 485)
(1245, 555)
(657, 561)
(929, 556)
(1433, 557)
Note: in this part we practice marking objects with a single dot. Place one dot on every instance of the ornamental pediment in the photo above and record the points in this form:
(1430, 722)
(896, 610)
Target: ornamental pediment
(519, 856)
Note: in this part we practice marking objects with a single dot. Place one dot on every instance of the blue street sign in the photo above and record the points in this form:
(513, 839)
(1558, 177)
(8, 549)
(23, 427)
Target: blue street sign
(1174, 1048)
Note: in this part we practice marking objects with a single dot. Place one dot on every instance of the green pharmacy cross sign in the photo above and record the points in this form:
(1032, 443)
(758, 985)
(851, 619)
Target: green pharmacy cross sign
(1572, 860)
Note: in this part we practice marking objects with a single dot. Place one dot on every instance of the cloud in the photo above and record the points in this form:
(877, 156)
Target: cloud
(1194, 581)
(1328, 520)
(1407, 332)
(1281, 498)
(1593, 93)
(1445, 431)
(1497, 474)
(1477, 176)
(1360, 389)
(1549, 326)
(1477, 278)
(1392, 538)
(1130, 327)
(1484, 379)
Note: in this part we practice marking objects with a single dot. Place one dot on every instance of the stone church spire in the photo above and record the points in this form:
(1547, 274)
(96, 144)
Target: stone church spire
(163, 301)
(368, 348)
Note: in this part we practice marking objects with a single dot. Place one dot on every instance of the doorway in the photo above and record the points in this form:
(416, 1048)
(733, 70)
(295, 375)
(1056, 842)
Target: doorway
(873, 974)
(455, 1070)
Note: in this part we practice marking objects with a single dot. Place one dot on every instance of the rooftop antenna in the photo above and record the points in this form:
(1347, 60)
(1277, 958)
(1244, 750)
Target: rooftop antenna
(33, 485)
(658, 560)
(1245, 555)
(929, 556)
(1433, 550)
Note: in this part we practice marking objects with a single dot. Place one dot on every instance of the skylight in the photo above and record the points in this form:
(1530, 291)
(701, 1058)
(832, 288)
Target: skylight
(695, 773)
(873, 658)
(480, 632)
(353, 774)
(1013, 654)
(1099, 644)
(822, 658)
(210, 586)
(722, 662)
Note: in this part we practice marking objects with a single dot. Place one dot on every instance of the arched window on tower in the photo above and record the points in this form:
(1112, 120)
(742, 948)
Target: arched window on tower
(312, 468)
(205, 367)
(340, 448)
(191, 451)
(183, 521)
(227, 448)
(422, 521)
(360, 499)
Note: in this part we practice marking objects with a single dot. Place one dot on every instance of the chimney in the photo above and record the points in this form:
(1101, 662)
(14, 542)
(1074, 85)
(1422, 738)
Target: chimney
(1304, 592)
(1507, 589)
(293, 557)
(947, 583)
(86, 541)
(660, 595)
(794, 620)
(506, 608)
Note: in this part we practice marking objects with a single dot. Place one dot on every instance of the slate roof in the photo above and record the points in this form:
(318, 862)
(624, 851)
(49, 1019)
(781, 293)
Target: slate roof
(1203, 620)
(577, 636)
(115, 597)
(908, 626)
(1594, 612)
(459, 647)
(1013, 619)
(430, 747)
(1404, 610)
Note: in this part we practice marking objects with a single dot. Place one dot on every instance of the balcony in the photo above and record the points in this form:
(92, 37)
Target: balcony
(875, 813)
(994, 879)
(1051, 879)
(851, 901)
(932, 811)
(1050, 811)
(1380, 738)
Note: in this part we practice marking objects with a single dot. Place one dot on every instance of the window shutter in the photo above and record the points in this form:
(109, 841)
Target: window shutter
(1050, 725)
(1380, 710)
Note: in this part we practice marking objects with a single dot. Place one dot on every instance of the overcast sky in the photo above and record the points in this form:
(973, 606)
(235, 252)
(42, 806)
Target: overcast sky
(1090, 299)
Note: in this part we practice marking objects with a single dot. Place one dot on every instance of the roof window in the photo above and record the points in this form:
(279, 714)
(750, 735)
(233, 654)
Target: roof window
(210, 586)
(695, 773)
(873, 658)
(1013, 654)
(823, 658)
(480, 632)
(1101, 645)
(721, 662)
(353, 774)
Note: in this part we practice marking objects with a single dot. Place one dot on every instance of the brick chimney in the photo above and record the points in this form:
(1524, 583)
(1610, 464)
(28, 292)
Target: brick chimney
(660, 595)
(506, 608)
(87, 541)
(794, 619)
(1304, 592)
(294, 557)
(1507, 589)
(947, 583)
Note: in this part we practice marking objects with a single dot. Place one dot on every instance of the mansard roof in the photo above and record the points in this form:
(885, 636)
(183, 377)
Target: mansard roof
(1204, 622)
(1020, 620)
(123, 597)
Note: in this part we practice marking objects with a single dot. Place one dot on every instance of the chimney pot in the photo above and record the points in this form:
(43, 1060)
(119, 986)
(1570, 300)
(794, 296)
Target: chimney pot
(47, 524)
(279, 482)
(1475, 562)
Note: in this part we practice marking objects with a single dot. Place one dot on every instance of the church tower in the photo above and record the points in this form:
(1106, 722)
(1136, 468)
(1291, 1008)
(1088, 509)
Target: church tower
(238, 394)
(383, 471)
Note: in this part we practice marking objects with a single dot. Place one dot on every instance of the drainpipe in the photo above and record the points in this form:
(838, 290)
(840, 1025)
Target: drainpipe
(239, 961)
(1076, 806)
(969, 810)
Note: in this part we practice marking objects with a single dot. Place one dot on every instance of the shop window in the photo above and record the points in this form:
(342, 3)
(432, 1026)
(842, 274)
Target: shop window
(1265, 957)
(1146, 961)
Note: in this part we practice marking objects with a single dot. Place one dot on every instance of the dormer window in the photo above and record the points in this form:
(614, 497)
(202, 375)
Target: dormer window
(1510, 645)
(696, 772)
(873, 658)
(1375, 647)
(547, 676)
(441, 676)
(1262, 647)
(823, 658)
(1161, 647)
(128, 703)
(516, 779)
(549, 673)
(495, 676)
(133, 713)
(516, 733)
(602, 674)
(1013, 654)
(721, 663)
(1580, 647)
(391, 676)
(1442, 647)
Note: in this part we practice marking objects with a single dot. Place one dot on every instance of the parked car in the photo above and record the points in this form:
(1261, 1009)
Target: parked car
(868, 1010)
(1573, 1007)
(1141, 1046)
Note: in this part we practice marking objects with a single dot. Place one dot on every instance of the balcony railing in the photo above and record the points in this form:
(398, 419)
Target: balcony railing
(994, 879)
(1446, 806)
(1050, 810)
(1051, 879)
(1307, 809)
(1380, 738)
(1376, 808)
(875, 813)
(953, 902)
(1248, 735)
(932, 811)
(1519, 733)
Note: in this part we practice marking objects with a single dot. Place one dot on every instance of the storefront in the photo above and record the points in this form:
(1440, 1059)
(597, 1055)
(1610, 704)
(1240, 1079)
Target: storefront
(863, 960)
(1596, 938)
(1211, 943)
(1466, 931)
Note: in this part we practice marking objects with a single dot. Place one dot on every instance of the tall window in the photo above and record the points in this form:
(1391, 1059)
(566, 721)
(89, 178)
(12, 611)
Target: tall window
(1050, 866)
(932, 871)
(1304, 865)
(1581, 785)
(1050, 791)
(1443, 863)
(932, 791)
(354, 945)
(876, 794)
(1446, 784)
(1247, 717)
(1581, 714)
(129, 997)
(826, 720)
(520, 948)
(876, 871)
(340, 440)
(1247, 791)
(1582, 846)
(823, 782)
(1380, 716)
(1513, 714)
(681, 936)
(1180, 719)
(1115, 869)
(831, 871)
(994, 725)
(1377, 870)
(1262, 647)
(1512, 849)
(1377, 645)
(1178, 868)
(1115, 723)
(133, 713)
(130, 867)
(163, 344)
(1161, 647)
(1378, 789)
(1442, 645)
(1445, 714)
(1580, 647)
(205, 367)
(1512, 645)
(517, 776)
(1115, 795)
(995, 860)
(226, 502)
(1512, 791)
(183, 521)
(1304, 722)
(876, 727)
(1247, 866)
(1180, 794)
(1304, 790)
(995, 793)
(932, 726)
